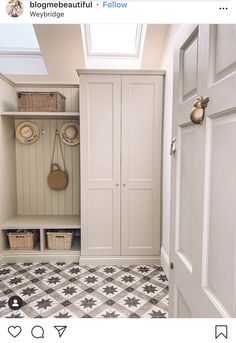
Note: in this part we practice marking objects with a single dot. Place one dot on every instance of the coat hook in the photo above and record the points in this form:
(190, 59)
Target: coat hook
(42, 132)
(57, 132)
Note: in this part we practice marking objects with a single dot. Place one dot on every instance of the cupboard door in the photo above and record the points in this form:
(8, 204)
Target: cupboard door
(100, 164)
(141, 164)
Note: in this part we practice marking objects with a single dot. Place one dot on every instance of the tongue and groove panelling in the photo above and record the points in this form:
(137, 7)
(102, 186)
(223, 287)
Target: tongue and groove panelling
(34, 197)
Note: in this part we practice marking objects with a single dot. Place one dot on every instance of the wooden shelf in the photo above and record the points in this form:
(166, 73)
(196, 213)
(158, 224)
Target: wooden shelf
(41, 115)
(40, 252)
(43, 222)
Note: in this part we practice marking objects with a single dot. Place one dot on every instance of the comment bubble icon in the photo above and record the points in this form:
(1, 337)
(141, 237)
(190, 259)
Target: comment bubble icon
(37, 332)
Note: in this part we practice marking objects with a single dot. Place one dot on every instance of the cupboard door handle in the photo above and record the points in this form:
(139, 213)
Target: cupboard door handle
(117, 184)
(124, 184)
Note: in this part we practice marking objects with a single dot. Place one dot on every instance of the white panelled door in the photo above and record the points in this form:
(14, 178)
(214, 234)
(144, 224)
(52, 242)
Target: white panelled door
(141, 164)
(203, 220)
(100, 164)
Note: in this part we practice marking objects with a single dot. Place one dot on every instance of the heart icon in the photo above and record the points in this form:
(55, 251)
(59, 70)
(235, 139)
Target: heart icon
(14, 331)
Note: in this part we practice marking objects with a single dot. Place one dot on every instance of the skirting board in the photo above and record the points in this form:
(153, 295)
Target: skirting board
(119, 260)
(165, 263)
(24, 258)
(83, 260)
(1, 260)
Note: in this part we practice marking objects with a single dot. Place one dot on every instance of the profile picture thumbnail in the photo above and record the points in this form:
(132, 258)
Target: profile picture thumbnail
(14, 8)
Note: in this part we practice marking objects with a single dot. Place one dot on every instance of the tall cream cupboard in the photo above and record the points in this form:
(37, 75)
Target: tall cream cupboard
(121, 135)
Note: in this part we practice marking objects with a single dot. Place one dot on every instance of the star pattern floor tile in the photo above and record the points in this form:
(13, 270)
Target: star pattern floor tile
(63, 290)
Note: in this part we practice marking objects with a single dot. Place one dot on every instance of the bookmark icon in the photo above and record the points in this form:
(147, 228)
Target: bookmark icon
(60, 330)
(221, 331)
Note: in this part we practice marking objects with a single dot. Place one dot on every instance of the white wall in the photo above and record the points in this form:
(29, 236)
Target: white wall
(167, 64)
(153, 46)
(7, 153)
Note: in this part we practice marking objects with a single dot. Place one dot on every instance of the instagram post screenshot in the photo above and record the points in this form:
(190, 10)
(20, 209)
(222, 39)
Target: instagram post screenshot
(117, 171)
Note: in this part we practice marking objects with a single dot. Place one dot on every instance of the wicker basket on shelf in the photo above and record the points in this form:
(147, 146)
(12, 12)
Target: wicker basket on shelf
(22, 240)
(41, 102)
(60, 240)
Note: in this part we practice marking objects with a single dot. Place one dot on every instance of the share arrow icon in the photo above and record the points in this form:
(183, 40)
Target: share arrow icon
(60, 330)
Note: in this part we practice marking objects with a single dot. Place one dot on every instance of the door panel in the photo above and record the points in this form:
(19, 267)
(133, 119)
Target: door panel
(100, 235)
(100, 132)
(140, 204)
(185, 202)
(203, 237)
(141, 167)
(183, 308)
(225, 50)
(141, 133)
(219, 235)
(189, 65)
(100, 164)
(187, 179)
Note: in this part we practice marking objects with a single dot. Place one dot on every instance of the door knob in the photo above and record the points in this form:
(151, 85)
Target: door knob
(198, 111)
(124, 184)
(117, 184)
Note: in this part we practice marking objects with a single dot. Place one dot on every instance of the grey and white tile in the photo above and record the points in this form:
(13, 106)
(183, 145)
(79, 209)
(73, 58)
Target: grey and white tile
(62, 290)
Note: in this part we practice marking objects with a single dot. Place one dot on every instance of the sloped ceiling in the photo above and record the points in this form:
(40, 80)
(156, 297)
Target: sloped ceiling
(62, 50)
(154, 45)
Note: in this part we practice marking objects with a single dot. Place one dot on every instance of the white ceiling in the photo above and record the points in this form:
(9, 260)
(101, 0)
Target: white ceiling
(62, 49)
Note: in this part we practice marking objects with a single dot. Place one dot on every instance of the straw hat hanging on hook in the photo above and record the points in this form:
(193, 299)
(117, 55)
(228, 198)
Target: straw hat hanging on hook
(57, 178)
(27, 132)
(69, 133)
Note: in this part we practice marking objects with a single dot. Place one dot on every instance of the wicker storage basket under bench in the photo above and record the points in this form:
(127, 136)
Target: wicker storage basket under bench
(22, 240)
(41, 102)
(60, 240)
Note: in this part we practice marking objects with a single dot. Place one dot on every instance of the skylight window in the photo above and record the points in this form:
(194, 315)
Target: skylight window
(113, 45)
(117, 39)
(18, 38)
(19, 51)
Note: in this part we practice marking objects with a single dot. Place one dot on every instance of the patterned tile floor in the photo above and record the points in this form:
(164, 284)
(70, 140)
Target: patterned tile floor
(69, 290)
